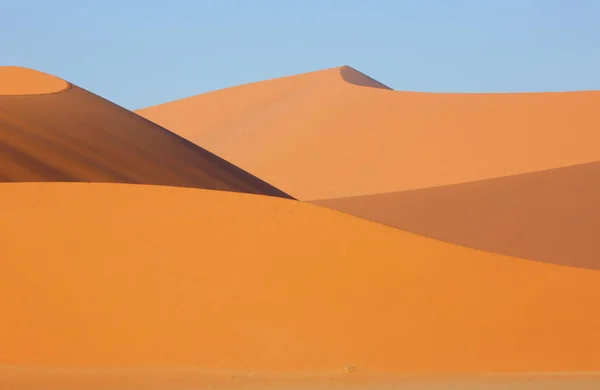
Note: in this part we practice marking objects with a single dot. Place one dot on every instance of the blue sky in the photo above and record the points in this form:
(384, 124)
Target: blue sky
(140, 53)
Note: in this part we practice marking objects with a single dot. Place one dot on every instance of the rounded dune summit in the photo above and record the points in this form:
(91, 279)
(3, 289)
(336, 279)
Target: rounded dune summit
(15, 80)
(338, 133)
(75, 135)
(97, 275)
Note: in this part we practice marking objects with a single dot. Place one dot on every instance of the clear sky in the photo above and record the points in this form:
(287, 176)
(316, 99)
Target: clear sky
(141, 53)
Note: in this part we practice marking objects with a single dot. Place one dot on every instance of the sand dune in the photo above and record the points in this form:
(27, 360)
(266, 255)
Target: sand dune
(106, 285)
(52, 131)
(96, 275)
(325, 135)
(548, 216)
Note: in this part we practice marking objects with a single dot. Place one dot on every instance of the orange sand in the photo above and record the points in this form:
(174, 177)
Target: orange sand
(325, 135)
(112, 275)
(22, 81)
(551, 215)
(157, 378)
(75, 135)
(106, 286)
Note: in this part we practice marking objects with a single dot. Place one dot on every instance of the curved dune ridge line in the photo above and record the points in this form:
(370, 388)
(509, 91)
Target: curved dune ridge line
(548, 216)
(78, 136)
(98, 275)
(15, 80)
(325, 135)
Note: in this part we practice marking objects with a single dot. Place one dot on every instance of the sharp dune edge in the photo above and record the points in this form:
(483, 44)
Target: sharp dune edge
(550, 216)
(75, 135)
(96, 275)
(339, 139)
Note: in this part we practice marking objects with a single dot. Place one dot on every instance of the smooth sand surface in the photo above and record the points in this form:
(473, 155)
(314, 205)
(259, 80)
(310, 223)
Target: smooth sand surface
(551, 215)
(15, 80)
(114, 275)
(75, 135)
(158, 378)
(338, 133)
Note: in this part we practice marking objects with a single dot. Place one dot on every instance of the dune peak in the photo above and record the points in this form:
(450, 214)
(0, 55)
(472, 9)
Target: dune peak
(15, 80)
(353, 76)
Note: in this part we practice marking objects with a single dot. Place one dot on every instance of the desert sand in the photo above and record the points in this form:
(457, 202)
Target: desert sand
(514, 174)
(552, 215)
(97, 275)
(168, 379)
(53, 131)
(136, 257)
(325, 134)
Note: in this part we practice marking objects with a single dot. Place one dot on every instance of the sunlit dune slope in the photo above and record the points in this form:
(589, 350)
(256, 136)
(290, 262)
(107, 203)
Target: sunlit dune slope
(98, 275)
(549, 216)
(338, 133)
(75, 135)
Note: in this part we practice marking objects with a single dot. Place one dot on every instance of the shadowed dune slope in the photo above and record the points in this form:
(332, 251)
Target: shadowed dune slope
(548, 216)
(75, 135)
(326, 135)
(355, 77)
(98, 275)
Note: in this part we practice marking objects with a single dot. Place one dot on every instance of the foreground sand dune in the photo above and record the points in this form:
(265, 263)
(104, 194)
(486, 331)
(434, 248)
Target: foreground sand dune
(326, 135)
(551, 215)
(96, 275)
(53, 131)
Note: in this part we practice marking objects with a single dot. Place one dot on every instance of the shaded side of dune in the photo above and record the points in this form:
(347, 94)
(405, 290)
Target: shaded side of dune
(550, 216)
(112, 275)
(78, 136)
(353, 76)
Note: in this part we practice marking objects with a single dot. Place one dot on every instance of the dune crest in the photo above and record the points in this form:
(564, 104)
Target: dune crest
(112, 275)
(15, 80)
(317, 136)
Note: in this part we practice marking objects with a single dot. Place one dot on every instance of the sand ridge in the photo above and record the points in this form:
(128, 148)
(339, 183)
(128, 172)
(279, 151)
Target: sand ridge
(76, 135)
(97, 275)
(552, 215)
(327, 138)
(16, 80)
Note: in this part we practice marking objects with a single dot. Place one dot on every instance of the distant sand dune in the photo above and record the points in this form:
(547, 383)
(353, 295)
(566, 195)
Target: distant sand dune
(318, 136)
(97, 275)
(75, 135)
(551, 215)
